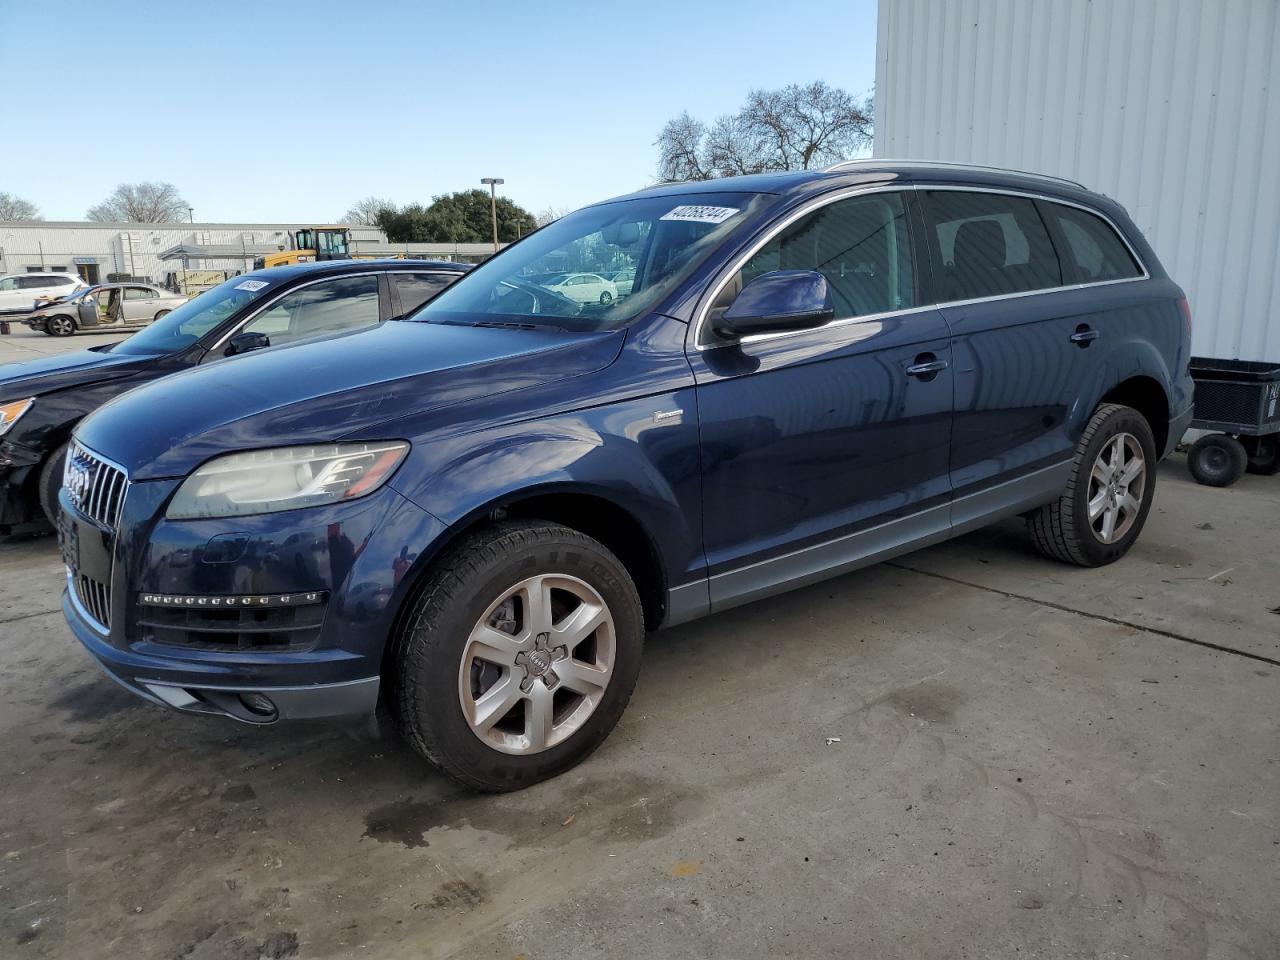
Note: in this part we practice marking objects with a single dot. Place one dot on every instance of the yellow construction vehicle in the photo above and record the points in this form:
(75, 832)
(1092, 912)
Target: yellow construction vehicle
(310, 243)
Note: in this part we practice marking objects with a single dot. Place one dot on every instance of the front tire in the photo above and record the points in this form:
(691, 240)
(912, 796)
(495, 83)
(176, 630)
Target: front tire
(60, 326)
(606, 297)
(518, 655)
(1113, 481)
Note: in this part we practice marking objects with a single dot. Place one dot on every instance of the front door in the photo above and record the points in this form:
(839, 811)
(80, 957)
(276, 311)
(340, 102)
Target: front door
(824, 448)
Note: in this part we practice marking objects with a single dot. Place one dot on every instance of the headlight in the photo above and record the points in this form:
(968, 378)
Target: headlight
(266, 481)
(10, 412)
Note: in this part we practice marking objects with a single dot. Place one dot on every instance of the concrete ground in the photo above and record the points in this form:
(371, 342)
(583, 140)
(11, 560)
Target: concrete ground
(972, 752)
(23, 343)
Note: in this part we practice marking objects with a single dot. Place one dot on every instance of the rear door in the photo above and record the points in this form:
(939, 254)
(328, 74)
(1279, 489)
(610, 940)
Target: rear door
(821, 448)
(1018, 372)
(140, 304)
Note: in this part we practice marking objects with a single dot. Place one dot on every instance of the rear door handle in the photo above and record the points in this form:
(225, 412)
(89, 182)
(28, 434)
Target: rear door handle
(926, 369)
(1084, 335)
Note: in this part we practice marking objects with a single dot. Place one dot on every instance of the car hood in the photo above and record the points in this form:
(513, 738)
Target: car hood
(323, 391)
(33, 378)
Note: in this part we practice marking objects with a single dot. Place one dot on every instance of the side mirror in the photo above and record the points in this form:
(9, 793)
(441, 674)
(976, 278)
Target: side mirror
(245, 342)
(778, 301)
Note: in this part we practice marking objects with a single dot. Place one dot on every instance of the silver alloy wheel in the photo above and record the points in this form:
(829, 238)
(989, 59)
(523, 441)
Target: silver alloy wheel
(1116, 487)
(61, 326)
(537, 664)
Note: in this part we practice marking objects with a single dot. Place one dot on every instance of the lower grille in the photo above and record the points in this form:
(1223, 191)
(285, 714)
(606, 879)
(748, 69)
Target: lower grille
(95, 598)
(232, 629)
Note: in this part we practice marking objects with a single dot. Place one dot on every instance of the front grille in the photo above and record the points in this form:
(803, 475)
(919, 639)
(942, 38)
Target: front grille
(95, 597)
(95, 486)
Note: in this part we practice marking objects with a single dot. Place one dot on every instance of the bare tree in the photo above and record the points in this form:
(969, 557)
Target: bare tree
(794, 128)
(365, 213)
(15, 208)
(681, 150)
(550, 215)
(146, 202)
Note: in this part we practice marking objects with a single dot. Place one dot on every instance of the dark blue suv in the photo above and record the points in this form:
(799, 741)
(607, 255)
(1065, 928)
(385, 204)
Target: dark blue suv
(475, 516)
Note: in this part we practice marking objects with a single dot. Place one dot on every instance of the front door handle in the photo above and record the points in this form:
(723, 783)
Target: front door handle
(927, 367)
(1084, 335)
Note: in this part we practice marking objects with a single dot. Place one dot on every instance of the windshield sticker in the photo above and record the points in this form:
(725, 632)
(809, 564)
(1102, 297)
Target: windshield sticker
(252, 285)
(694, 213)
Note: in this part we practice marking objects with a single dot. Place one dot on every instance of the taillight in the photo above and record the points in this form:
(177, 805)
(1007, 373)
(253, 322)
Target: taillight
(1185, 307)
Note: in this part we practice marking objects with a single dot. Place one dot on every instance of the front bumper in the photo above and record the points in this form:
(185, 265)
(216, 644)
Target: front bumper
(220, 689)
(207, 660)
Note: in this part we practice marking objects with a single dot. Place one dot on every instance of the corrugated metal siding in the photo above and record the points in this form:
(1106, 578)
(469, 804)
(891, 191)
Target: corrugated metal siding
(1171, 107)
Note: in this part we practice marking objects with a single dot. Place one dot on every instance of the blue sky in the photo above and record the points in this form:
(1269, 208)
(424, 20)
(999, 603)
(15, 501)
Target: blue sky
(259, 115)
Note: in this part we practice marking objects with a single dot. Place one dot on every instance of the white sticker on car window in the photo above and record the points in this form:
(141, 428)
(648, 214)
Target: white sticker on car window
(252, 285)
(695, 213)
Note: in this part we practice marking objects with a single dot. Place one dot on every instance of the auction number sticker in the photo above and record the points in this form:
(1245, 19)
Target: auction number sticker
(252, 285)
(694, 213)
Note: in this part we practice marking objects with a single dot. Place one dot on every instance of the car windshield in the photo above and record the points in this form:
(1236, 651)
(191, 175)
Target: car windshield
(186, 324)
(558, 277)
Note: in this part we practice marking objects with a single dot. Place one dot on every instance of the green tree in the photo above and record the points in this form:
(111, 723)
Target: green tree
(461, 217)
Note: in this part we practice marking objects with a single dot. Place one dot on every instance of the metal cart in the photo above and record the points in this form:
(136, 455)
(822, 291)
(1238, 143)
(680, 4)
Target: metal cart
(1241, 399)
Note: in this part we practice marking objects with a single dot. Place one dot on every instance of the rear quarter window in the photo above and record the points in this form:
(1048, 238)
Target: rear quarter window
(1094, 251)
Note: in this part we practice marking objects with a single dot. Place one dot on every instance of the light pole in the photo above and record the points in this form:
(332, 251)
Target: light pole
(191, 214)
(493, 183)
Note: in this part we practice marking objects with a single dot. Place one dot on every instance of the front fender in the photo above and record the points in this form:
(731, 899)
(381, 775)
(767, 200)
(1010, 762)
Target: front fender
(617, 453)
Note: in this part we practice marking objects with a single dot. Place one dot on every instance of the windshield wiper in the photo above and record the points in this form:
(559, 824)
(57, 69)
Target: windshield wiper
(516, 326)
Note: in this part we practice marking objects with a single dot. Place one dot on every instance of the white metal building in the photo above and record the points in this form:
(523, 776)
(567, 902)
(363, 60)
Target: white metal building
(1172, 107)
(95, 250)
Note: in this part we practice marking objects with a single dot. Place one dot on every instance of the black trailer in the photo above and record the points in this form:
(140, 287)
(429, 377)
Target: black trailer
(1241, 400)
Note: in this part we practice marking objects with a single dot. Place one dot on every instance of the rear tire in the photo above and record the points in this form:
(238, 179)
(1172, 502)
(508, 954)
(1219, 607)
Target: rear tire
(472, 648)
(1217, 460)
(159, 315)
(1113, 481)
(51, 483)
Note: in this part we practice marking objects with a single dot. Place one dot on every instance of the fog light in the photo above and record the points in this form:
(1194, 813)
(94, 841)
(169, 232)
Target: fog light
(258, 704)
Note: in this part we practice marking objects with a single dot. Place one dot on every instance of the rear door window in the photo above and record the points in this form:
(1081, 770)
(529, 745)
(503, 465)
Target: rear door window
(415, 289)
(1094, 251)
(989, 245)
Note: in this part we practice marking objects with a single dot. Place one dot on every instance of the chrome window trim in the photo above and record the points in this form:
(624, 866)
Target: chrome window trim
(704, 305)
(268, 304)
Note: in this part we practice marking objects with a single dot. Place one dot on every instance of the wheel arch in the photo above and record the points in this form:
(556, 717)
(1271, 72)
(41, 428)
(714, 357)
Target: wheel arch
(1146, 395)
(577, 506)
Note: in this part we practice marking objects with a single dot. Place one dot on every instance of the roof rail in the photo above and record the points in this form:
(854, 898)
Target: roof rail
(888, 162)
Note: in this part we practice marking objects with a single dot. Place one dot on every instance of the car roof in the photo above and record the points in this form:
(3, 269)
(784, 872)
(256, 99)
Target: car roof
(876, 171)
(381, 265)
(41, 273)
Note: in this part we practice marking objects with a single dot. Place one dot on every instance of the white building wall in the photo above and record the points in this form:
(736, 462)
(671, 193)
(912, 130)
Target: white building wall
(1172, 107)
(135, 248)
